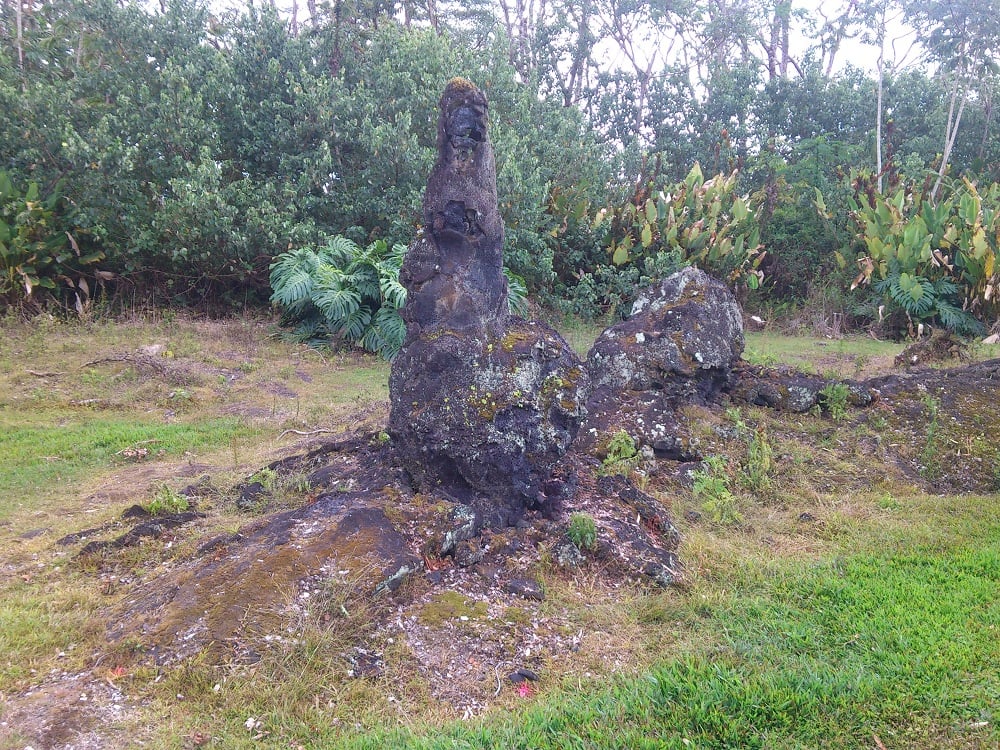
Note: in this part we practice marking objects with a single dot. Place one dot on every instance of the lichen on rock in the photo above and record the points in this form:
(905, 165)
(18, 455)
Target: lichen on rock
(679, 346)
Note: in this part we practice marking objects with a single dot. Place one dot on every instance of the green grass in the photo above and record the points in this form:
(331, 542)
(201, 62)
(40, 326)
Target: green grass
(54, 452)
(39, 627)
(901, 645)
(850, 356)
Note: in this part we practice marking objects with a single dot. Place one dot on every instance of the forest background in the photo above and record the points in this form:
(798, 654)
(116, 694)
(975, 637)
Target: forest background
(175, 153)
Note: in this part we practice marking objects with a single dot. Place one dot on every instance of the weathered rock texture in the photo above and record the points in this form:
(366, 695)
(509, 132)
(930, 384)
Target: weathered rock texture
(453, 271)
(483, 404)
(682, 347)
(790, 390)
(679, 346)
(683, 337)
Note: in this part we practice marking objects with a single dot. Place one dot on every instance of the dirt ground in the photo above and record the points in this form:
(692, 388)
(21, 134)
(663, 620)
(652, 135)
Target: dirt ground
(280, 509)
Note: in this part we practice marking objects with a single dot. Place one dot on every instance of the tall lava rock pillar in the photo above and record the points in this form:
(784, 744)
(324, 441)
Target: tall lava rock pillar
(484, 404)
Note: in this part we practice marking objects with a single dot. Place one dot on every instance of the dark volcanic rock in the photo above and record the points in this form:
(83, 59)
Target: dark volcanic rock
(526, 589)
(683, 338)
(789, 390)
(241, 584)
(453, 271)
(483, 404)
(486, 414)
(679, 347)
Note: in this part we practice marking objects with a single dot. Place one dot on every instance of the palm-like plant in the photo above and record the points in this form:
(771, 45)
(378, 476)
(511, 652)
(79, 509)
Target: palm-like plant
(343, 291)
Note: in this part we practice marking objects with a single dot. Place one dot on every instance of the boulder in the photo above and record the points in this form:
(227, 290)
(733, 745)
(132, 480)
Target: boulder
(683, 337)
(483, 404)
(678, 347)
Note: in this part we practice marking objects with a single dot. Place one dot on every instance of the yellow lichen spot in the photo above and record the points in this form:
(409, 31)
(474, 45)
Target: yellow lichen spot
(450, 606)
(458, 83)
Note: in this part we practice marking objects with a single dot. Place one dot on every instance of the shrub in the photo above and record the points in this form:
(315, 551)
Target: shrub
(37, 250)
(582, 531)
(343, 291)
(933, 261)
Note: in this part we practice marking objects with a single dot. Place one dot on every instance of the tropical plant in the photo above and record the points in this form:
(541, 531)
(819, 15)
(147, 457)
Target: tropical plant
(36, 252)
(352, 293)
(343, 291)
(934, 261)
(517, 293)
(705, 222)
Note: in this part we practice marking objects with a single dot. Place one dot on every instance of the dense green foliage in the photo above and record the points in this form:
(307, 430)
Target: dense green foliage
(36, 250)
(933, 260)
(192, 149)
(694, 221)
(343, 291)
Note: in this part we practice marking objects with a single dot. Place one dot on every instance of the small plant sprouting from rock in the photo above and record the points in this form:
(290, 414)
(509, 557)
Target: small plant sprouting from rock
(167, 501)
(833, 400)
(582, 531)
(758, 464)
(734, 415)
(622, 456)
(711, 486)
(267, 477)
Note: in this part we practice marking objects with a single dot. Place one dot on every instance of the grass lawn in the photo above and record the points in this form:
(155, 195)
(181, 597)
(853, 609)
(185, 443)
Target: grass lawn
(843, 612)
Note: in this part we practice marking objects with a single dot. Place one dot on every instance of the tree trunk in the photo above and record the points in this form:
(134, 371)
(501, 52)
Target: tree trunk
(771, 49)
(786, 14)
(988, 117)
(878, 100)
(951, 132)
(432, 16)
(19, 12)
